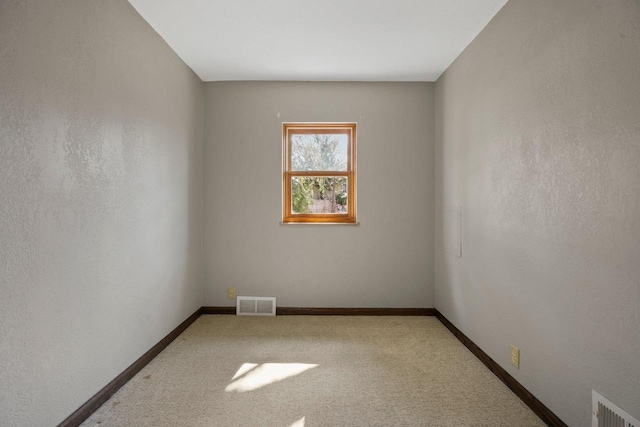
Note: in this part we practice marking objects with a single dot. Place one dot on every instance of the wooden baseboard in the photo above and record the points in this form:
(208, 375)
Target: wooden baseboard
(91, 405)
(329, 311)
(218, 310)
(529, 399)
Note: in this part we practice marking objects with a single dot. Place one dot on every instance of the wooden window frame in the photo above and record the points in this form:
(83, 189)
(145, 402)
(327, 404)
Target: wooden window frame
(290, 129)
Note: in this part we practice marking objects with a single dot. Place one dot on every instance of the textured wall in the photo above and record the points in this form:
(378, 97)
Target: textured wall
(100, 200)
(538, 139)
(386, 261)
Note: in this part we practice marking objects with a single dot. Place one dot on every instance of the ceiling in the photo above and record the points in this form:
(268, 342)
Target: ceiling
(321, 40)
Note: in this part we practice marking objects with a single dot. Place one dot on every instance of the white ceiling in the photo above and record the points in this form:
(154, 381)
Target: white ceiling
(351, 40)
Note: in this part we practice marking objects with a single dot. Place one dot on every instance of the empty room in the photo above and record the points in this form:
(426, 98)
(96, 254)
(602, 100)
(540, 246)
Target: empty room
(319, 213)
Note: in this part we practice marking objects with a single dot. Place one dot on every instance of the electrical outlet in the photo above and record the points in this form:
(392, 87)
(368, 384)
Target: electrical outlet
(231, 292)
(515, 356)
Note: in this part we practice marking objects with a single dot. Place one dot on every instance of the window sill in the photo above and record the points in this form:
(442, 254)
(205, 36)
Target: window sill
(320, 223)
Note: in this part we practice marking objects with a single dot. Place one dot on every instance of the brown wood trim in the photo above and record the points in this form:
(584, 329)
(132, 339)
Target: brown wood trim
(288, 130)
(91, 405)
(328, 311)
(320, 128)
(345, 174)
(219, 310)
(529, 399)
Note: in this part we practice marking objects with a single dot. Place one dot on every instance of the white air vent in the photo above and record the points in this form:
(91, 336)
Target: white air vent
(256, 306)
(607, 414)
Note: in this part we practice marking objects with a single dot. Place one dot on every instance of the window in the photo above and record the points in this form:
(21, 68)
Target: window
(319, 172)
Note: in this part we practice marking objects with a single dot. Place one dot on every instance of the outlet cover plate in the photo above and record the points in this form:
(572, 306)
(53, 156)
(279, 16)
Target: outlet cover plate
(515, 356)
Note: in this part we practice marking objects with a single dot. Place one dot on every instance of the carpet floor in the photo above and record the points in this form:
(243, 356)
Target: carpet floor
(315, 371)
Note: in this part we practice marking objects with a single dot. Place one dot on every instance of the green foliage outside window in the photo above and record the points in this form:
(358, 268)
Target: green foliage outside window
(301, 194)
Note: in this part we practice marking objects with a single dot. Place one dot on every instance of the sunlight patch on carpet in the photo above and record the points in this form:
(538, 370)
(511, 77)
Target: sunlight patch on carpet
(246, 367)
(251, 376)
(299, 423)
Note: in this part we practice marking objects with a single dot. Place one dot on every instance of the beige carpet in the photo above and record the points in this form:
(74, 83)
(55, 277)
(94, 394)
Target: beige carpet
(315, 371)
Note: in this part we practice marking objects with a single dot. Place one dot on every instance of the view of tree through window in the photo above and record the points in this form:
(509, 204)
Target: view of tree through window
(319, 172)
(319, 194)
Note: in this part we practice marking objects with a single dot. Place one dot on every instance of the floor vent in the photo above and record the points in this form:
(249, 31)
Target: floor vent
(608, 414)
(257, 306)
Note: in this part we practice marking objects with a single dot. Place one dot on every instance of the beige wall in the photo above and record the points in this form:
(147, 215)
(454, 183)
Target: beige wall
(538, 139)
(386, 261)
(100, 200)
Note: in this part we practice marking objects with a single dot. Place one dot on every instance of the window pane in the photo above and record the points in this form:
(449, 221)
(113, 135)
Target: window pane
(319, 152)
(319, 194)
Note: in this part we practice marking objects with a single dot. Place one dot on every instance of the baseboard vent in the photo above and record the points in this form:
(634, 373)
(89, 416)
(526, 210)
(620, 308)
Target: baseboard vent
(257, 306)
(605, 413)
